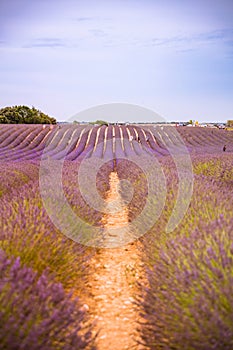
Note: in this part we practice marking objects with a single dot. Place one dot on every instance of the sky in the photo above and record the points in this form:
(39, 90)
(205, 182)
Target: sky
(172, 56)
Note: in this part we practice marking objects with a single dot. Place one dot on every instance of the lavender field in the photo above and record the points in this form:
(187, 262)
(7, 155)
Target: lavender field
(153, 290)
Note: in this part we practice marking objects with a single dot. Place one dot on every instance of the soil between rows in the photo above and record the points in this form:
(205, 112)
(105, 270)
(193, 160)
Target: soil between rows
(112, 285)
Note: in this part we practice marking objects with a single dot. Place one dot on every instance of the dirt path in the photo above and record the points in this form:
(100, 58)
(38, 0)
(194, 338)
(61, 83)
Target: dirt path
(112, 285)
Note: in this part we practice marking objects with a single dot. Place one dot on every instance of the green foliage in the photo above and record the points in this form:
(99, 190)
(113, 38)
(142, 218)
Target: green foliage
(219, 169)
(24, 115)
(100, 122)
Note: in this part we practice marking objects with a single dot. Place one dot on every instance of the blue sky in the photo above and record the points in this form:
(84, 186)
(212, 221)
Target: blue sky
(172, 56)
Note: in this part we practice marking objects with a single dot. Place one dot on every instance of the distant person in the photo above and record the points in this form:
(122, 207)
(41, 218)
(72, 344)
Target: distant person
(224, 148)
(148, 140)
(131, 138)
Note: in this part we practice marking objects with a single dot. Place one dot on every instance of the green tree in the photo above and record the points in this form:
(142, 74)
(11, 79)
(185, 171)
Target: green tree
(24, 115)
(100, 122)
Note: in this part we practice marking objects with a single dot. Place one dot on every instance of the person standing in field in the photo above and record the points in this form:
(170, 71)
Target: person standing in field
(148, 140)
(224, 148)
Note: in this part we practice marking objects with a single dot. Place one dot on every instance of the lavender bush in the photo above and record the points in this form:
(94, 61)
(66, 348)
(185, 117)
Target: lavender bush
(36, 313)
(27, 232)
(73, 194)
(188, 303)
(215, 168)
(15, 175)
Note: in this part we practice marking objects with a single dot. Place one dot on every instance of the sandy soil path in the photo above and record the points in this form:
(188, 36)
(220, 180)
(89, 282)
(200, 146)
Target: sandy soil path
(112, 286)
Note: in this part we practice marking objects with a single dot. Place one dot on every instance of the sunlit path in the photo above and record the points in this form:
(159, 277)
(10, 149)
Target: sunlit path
(113, 284)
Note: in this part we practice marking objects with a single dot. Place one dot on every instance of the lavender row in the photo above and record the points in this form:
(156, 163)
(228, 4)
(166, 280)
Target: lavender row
(190, 290)
(14, 175)
(190, 275)
(27, 232)
(29, 142)
(36, 313)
